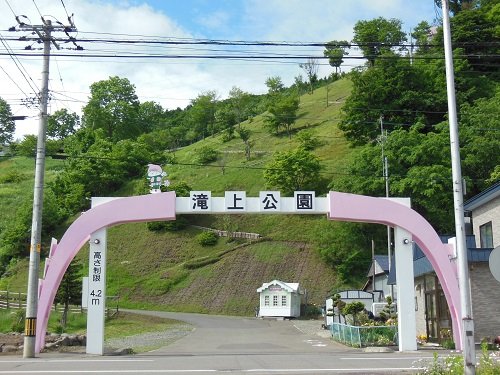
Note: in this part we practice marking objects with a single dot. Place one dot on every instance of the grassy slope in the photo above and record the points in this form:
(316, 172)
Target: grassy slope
(153, 269)
(14, 194)
(247, 175)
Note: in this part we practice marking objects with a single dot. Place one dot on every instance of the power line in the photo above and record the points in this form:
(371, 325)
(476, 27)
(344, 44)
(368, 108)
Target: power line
(8, 4)
(20, 67)
(36, 6)
(13, 81)
(235, 57)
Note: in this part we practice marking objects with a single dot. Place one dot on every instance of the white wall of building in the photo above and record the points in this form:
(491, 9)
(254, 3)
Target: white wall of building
(277, 299)
(484, 214)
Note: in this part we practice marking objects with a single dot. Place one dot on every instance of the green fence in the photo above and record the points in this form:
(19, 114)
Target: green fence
(364, 336)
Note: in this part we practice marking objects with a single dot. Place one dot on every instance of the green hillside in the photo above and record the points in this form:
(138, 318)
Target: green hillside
(170, 270)
(240, 174)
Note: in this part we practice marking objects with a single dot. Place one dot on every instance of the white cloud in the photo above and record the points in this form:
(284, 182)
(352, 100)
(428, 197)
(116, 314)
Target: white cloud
(173, 82)
(215, 20)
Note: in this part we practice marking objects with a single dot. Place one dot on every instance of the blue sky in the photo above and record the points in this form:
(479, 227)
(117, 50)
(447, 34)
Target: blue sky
(173, 83)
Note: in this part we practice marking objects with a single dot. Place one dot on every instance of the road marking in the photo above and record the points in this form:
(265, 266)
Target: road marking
(74, 360)
(264, 371)
(382, 358)
(106, 371)
(315, 370)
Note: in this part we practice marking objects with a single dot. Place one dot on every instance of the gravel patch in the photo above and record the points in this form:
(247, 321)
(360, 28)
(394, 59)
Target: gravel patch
(312, 327)
(151, 340)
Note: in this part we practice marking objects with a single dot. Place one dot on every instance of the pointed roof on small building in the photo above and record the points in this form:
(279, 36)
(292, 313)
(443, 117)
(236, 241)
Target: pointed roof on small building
(289, 287)
(381, 264)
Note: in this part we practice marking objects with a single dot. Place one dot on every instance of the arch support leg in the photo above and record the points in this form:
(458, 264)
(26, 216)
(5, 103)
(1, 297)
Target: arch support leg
(407, 330)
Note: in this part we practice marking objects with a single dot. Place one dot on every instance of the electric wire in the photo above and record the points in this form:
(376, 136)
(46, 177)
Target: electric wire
(31, 83)
(36, 6)
(10, 7)
(13, 81)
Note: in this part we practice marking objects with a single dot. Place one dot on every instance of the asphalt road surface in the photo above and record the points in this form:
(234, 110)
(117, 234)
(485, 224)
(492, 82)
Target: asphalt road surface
(229, 345)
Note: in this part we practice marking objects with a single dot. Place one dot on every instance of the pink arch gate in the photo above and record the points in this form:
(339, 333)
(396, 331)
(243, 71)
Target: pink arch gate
(340, 206)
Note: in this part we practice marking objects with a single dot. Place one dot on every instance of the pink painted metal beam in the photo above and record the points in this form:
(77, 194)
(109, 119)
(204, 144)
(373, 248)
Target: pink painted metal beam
(359, 208)
(152, 207)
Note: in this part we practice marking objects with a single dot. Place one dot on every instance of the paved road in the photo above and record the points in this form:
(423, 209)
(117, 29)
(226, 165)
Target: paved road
(228, 345)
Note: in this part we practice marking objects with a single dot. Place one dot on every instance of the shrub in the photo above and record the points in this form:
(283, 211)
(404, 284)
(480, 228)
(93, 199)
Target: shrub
(18, 321)
(353, 309)
(168, 226)
(11, 177)
(311, 311)
(307, 140)
(207, 238)
(206, 154)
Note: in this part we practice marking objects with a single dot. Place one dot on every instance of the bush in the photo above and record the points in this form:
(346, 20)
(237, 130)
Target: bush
(311, 311)
(18, 321)
(307, 140)
(207, 238)
(206, 154)
(168, 226)
(12, 177)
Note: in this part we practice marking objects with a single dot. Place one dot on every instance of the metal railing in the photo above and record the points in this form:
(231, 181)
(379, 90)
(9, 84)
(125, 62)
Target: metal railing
(363, 336)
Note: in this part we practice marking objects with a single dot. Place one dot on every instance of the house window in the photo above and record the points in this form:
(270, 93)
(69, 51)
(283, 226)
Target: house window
(486, 235)
(275, 300)
(266, 300)
(283, 300)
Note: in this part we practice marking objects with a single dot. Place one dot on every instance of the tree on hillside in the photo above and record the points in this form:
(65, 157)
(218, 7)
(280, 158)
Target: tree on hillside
(151, 116)
(282, 113)
(476, 31)
(480, 141)
(311, 68)
(70, 289)
(419, 162)
(274, 85)
(294, 170)
(62, 124)
(422, 36)
(224, 120)
(113, 107)
(395, 90)
(335, 51)
(299, 85)
(456, 6)
(378, 36)
(239, 102)
(346, 247)
(245, 137)
(201, 114)
(7, 124)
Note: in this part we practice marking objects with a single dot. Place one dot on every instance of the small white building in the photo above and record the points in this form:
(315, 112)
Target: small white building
(280, 299)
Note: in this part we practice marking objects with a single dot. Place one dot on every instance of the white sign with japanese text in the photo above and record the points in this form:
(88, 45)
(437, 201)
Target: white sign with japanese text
(235, 201)
(270, 201)
(303, 202)
(96, 293)
(201, 201)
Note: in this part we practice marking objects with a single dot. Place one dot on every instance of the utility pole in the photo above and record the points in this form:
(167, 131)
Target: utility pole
(44, 33)
(467, 329)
